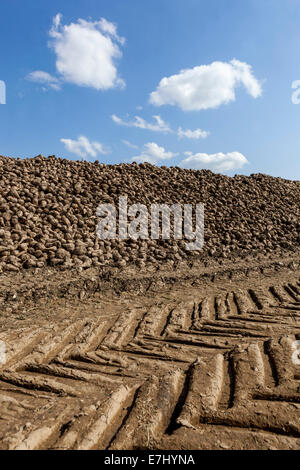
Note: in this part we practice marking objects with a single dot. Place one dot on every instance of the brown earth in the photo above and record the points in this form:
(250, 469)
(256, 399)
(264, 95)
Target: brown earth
(173, 351)
(152, 359)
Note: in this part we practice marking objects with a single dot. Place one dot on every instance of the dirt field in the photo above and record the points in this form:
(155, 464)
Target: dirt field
(188, 358)
(142, 344)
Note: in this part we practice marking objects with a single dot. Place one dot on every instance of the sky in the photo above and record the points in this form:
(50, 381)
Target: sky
(192, 83)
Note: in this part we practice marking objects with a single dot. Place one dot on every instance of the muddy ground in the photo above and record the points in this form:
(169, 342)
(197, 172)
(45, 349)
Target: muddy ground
(160, 357)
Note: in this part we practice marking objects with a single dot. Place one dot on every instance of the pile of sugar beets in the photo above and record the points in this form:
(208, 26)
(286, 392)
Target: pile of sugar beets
(48, 213)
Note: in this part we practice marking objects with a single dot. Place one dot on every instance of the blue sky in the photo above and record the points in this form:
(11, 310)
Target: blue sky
(84, 79)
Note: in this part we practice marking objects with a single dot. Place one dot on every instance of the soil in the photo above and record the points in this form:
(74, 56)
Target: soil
(142, 344)
(155, 357)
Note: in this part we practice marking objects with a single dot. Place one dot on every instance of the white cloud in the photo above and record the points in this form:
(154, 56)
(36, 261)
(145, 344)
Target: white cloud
(129, 144)
(189, 134)
(219, 162)
(86, 52)
(39, 76)
(83, 147)
(158, 126)
(206, 86)
(152, 153)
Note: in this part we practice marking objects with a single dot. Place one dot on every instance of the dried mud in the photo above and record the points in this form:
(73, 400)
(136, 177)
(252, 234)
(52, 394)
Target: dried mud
(198, 359)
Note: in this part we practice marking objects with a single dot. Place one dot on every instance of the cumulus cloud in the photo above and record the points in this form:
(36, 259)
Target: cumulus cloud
(83, 147)
(152, 153)
(189, 134)
(44, 78)
(219, 162)
(86, 52)
(206, 86)
(159, 124)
